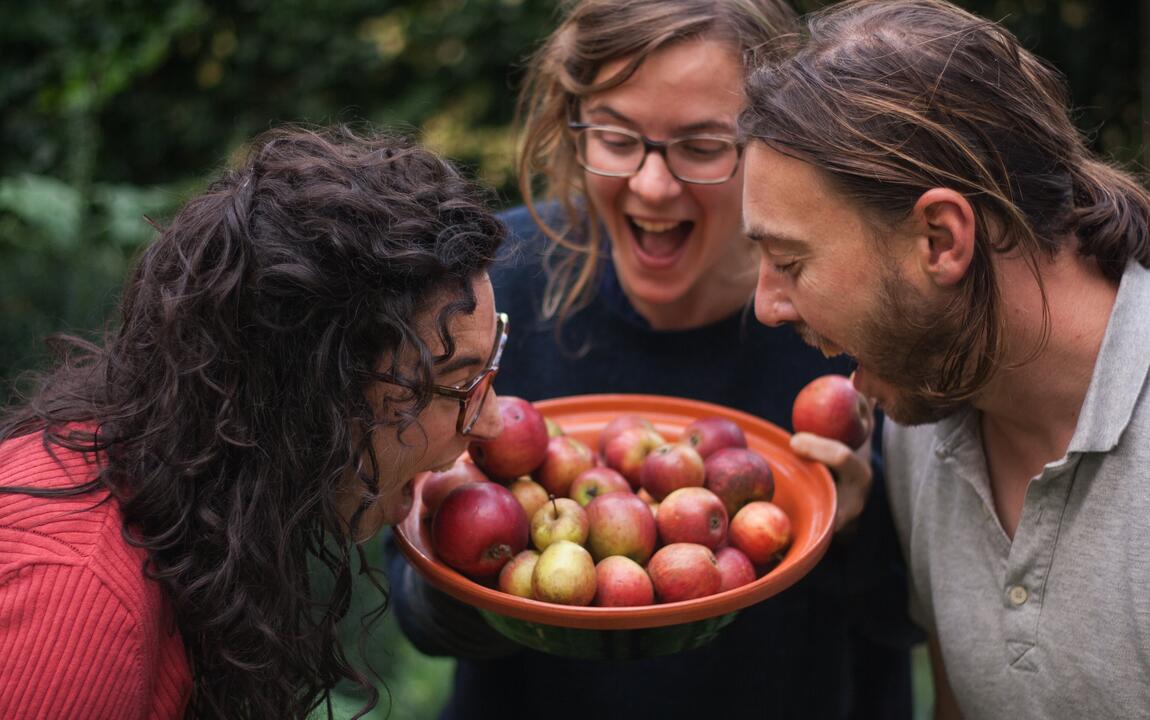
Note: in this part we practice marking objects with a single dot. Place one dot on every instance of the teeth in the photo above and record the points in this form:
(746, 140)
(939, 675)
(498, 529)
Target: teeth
(654, 227)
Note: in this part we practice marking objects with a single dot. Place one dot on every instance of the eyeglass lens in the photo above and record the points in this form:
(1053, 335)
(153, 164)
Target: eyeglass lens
(612, 152)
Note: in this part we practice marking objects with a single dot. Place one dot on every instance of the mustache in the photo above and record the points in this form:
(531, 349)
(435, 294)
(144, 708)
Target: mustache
(817, 341)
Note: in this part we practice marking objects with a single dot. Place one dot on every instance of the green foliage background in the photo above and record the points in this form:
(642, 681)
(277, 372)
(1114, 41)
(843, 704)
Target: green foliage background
(112, 110)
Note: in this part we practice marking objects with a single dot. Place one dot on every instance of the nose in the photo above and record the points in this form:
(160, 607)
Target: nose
(490, 422)
(654, 182)
(773, 305)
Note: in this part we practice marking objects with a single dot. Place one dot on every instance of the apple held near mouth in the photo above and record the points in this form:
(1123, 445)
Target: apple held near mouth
(670, 467)
(735, 568)
(564, 574)
(684, 571)
(620, 524)
(559, 519)
(626, 451)
(622, 582)
(597, 481)
(437, 485)
(709, 434)
(566, 458)
(515, 577)
(519, 449)
(831, 407)
(760, 530)
(738, 476)
(692, 515)
(478, 528)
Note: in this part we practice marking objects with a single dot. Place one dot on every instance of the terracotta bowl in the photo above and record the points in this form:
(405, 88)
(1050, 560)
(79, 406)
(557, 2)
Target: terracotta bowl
(803, 489)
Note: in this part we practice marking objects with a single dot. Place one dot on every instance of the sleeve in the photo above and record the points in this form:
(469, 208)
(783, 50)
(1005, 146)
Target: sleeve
(68, 646)
(434, 622)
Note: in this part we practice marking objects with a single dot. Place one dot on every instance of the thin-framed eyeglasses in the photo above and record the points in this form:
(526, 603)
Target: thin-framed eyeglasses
(611, 151)
(472, 395)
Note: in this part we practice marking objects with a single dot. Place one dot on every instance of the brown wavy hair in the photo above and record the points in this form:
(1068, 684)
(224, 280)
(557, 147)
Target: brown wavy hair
(893, 97)
(562, 73)
(228, 403)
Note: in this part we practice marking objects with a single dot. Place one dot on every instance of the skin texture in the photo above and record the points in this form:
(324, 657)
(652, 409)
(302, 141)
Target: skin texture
(712, 273)
(432, 443)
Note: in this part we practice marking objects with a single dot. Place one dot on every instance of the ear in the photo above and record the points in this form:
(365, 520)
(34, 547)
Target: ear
(945, 246)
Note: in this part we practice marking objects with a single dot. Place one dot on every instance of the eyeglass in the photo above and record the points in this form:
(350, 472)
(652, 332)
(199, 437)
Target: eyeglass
(618, 152)
(473, 395)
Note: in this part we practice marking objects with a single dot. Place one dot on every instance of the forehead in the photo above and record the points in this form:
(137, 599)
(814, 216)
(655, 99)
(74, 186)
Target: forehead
(472, 331)
(686, 83)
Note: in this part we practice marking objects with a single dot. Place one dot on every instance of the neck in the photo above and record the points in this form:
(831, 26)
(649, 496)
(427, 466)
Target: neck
(725, 289)
(1033, 402)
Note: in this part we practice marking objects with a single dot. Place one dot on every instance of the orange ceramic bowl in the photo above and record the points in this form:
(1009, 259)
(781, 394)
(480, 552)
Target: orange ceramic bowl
(803, 489)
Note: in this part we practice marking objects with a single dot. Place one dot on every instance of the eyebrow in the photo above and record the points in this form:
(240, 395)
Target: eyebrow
(696, 127)
(774, 240)
(459, 362)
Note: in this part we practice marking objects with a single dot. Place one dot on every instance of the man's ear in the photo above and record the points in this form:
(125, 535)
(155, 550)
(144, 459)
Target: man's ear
(945, 246)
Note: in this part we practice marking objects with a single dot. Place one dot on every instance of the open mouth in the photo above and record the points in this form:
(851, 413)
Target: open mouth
(659, 244)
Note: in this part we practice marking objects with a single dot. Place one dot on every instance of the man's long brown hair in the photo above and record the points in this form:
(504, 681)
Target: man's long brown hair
(893, 97)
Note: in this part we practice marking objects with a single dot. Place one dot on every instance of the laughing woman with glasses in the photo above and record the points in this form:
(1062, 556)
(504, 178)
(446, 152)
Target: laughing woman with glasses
(630, 273)
(305, 337)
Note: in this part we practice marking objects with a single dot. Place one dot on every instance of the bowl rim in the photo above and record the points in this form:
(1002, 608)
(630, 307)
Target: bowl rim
(412, 534)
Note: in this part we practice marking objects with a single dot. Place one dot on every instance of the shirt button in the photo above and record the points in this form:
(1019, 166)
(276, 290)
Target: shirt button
(1017, 595)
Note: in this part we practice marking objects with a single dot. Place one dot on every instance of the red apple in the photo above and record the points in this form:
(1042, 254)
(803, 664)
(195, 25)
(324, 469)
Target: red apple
(529, 493)
(566, 458)
(739, 476)
(437, 484)
(692, 515)
(515, 577)
(597, 481)
(831, 407)
(478, 528)
(669, 467)
(735, 568)
(708, 434)
(564, 574)
(761, 529)
(559, 519)
(519, 449)
(618, 425)
(620, 524)
(622, 582)
(626, 451)
(684, 571)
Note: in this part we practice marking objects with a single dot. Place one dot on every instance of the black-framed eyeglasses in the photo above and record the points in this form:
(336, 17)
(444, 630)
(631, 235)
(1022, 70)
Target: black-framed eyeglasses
(618, 152)
(473, 395)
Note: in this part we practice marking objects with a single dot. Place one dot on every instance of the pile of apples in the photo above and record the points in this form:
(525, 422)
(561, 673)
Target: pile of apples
(539, 514)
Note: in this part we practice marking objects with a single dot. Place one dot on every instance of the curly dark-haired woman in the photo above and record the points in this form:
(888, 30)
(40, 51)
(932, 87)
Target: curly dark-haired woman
(307, 335)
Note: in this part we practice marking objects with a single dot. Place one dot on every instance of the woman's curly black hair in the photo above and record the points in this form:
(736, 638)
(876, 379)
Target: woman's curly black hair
(228, 403)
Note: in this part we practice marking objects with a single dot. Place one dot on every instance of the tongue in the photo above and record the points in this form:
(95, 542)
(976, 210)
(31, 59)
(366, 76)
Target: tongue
(662, 244)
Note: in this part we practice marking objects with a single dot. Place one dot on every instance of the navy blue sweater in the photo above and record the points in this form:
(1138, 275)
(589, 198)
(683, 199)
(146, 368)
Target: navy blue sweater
(835, 645)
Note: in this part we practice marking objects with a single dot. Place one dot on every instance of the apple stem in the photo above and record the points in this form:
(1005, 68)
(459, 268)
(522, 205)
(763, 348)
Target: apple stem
(554, 504)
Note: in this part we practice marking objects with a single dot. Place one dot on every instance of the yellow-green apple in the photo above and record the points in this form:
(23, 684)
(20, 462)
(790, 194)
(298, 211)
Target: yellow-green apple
(478, 528)
(529, 493)
(622, 582)
(566, 457)
(515, 577)
(626, 451)
(553, 427)
(620, 524)
(597, 481)
(684, 571)
(436, 485)
(739, 476)
(692, 515)
(735, 568)
(711, 433)
(559, 519)
(564, 574)
(618, 425)
(760, 529)
(831, 407)
(669, 467)
(519, 449)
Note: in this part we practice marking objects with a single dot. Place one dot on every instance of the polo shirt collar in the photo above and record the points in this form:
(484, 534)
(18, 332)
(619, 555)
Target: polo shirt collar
(1121, 368)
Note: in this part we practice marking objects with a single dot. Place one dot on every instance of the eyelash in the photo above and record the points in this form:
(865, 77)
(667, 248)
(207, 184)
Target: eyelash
(788, 268)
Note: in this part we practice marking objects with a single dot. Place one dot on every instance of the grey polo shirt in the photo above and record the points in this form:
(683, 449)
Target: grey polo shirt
(1055, 624)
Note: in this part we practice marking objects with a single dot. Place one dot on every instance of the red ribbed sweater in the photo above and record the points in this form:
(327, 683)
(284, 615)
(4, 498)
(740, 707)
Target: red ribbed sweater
(83, 634)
